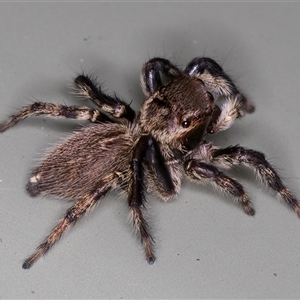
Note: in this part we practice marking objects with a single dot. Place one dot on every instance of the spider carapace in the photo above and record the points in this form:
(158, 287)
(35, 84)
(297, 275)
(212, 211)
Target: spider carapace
(149, 152)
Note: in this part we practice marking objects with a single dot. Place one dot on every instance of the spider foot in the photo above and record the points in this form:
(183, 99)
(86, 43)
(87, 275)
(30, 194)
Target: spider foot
(26, 265)
(298, 211)
(151, 260)
(290, 199)
(148, 246)
(250, 211)
(246, 203)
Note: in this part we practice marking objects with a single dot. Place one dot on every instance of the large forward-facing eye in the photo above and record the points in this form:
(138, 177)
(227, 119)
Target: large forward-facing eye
(186, 123)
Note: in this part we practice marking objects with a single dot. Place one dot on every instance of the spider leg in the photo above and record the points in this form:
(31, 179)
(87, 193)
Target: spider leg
(72, 215)
(154, 71)
(86, 87)
(56, 111)
(160, 175)
(203, 173)
(136, 199)
(219, 84)
(235, 155)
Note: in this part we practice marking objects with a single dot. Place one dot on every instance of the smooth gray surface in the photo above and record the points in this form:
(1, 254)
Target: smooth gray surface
(206, 246)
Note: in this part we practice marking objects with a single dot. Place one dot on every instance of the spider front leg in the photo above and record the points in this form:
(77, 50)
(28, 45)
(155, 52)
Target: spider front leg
(86, 87)
(162, 182)
(56, 111)
(154, 72)
(136, 199)
(204, 173)
(72, 215)
(236, 155)
(219, 84)
(148, 159)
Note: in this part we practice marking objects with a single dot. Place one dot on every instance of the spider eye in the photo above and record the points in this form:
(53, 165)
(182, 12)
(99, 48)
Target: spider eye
(186, 123)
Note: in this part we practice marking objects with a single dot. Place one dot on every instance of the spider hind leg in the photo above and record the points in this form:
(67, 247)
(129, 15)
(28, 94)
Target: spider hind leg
(72, 215)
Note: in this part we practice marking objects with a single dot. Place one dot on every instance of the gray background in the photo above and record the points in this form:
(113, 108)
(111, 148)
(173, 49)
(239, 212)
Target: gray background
(206, 246)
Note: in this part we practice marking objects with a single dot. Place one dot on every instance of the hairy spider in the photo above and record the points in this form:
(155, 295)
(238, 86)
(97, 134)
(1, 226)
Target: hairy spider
(150, 152)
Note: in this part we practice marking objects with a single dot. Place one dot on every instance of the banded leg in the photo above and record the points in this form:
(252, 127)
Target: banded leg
(56, 111)
(136, 199)
(153, 73)
(204, 173)
(219, 84)
(72, 215)
(236, 155)
(87, 88)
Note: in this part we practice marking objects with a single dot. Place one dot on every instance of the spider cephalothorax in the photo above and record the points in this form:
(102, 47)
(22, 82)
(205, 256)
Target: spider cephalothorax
(149, 152)
(177, 112)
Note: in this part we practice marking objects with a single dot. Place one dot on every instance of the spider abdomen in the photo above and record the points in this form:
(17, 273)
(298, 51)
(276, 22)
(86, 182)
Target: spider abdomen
(76, 167)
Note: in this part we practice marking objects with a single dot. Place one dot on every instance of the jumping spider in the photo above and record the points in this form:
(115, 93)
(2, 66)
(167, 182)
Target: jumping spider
(150, 152)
